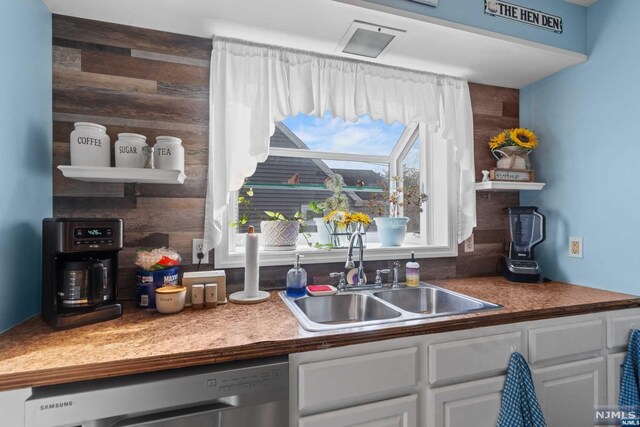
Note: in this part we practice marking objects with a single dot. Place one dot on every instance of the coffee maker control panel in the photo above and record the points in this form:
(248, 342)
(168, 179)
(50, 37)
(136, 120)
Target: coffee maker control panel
(93, 237)
(80, 235)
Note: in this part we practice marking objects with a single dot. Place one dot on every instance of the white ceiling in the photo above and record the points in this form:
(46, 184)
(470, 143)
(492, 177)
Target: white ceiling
(319, 25)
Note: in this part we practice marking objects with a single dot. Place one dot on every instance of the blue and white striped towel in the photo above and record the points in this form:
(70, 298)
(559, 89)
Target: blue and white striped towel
(519, 406)
(629, 387)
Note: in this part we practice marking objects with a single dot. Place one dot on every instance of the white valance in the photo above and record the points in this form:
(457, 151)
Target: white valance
(253, 86)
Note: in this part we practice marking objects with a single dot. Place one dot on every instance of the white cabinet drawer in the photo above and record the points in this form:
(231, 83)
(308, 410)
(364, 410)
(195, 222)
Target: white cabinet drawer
(565, 340)
(354, 380)
(472, 358)
(400, 412)
(618, 329)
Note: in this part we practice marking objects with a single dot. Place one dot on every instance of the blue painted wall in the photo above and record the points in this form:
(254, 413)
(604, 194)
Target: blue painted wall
(471, 13)
(587, 119)
(25, 145)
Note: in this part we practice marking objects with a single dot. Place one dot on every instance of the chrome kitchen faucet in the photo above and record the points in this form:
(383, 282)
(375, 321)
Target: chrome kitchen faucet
(349, 264)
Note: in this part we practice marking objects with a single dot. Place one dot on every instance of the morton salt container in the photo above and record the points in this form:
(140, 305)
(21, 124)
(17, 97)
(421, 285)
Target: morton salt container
(90, 145)
(169, 153)
(129, 150)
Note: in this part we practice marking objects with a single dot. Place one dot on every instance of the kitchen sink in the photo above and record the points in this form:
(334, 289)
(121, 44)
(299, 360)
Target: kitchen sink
(345, 308)
(432, 301)
(366, 308)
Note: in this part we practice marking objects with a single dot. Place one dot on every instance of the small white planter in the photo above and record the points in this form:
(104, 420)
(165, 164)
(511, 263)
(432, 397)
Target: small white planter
(129, 150)
(168, 153)
(90, 145)
(280, 235)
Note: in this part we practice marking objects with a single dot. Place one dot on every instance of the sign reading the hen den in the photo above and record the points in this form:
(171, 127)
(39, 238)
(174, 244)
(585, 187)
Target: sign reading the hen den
(523, 14)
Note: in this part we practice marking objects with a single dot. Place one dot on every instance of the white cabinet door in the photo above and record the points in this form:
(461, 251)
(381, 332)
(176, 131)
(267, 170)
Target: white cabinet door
(569, 392)
(614, 371)
(400, 412)
(475, 403)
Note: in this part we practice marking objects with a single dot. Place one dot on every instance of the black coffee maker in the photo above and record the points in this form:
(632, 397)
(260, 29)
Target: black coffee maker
(80, 270)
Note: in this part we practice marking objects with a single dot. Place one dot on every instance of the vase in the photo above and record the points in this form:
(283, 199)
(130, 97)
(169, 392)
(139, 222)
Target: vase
(323, 236)
(391, 230)
(280, 235)
(512, 157)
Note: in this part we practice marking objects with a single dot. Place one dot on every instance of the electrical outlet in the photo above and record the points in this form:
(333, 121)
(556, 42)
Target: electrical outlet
(196, 248)
(469, 245)
(575, 247)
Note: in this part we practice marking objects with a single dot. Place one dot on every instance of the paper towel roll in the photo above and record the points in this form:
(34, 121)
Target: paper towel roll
(251, 265)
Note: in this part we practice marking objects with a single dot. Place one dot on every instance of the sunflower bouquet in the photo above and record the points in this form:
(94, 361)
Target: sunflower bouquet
(342, 223)
(517, 137)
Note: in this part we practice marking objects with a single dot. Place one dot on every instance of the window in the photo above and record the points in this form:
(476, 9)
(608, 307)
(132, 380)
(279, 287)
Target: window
(306, 150)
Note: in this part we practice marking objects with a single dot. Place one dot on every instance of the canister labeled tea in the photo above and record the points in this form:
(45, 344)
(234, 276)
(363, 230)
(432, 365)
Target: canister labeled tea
(169, 153)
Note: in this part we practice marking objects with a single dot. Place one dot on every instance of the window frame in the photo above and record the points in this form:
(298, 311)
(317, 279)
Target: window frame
(226, 255)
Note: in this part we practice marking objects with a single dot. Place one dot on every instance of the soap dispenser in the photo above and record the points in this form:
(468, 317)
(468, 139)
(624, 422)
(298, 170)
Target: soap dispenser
(413, 271)
(297, 280)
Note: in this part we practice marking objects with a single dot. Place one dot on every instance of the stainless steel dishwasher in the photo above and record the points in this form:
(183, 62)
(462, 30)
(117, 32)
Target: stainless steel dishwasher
(237, 394)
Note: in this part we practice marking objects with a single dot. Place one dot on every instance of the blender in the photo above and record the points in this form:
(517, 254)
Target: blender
(527, 231)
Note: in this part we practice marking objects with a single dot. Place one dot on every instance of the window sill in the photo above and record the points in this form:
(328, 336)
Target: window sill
(373, 252)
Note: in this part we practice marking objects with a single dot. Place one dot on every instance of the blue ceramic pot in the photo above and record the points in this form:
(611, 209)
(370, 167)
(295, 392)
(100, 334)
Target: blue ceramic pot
(391, 231)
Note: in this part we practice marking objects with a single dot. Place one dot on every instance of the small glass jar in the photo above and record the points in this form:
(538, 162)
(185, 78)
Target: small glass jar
(129, 150)
(168, 153)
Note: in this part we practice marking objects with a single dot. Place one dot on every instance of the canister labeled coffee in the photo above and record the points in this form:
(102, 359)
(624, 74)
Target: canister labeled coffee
(90, 145)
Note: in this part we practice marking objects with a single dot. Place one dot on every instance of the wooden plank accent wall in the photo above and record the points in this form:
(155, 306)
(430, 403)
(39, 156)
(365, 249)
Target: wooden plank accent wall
(156, 83)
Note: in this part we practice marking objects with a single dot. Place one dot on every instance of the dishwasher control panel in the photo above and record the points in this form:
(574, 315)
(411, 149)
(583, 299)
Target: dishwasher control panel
(234, 382)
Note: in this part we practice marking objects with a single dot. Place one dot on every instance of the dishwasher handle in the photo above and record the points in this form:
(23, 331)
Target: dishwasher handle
(173, 415)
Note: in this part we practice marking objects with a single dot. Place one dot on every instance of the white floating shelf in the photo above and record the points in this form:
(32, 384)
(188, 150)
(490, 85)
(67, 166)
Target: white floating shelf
(142, 176)
(508, 186)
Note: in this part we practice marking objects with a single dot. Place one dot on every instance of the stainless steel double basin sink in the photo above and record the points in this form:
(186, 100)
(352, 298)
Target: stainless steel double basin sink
(356, 308)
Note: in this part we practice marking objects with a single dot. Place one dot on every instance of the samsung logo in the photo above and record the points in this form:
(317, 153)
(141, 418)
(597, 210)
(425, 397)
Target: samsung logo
(56, 405)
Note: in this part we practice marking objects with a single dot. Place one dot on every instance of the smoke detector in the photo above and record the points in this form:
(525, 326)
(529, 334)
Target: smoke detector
(368, 40)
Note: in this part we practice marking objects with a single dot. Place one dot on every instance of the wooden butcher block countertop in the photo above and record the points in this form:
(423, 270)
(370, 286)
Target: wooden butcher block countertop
(32, 354)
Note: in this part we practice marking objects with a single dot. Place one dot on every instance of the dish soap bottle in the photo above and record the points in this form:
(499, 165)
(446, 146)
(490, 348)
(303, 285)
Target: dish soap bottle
(297, 280)
(413, 271)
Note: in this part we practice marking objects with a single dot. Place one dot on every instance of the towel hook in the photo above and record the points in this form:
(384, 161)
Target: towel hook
(513, 349)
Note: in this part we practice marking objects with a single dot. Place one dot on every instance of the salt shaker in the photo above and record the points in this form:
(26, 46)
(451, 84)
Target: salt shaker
(197, 296)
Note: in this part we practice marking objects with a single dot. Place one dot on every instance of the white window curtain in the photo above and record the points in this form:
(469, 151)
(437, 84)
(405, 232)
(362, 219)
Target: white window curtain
(254, 85)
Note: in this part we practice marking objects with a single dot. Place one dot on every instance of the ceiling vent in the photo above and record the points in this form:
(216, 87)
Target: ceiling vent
(368, 40)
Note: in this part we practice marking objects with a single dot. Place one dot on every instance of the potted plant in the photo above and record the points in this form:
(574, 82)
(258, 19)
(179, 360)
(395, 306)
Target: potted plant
(511, 148)
(393, 228)
(279, 232)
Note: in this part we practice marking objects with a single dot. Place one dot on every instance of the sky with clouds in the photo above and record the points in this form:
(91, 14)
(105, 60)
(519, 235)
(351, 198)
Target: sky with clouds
(336, 135)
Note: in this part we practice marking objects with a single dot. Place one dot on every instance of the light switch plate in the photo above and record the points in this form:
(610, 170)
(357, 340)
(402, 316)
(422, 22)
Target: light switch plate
(575, 247)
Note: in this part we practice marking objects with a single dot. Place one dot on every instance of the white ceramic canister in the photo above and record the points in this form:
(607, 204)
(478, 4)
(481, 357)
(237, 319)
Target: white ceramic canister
(168, 153)
(90, 145)
(128, 150)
